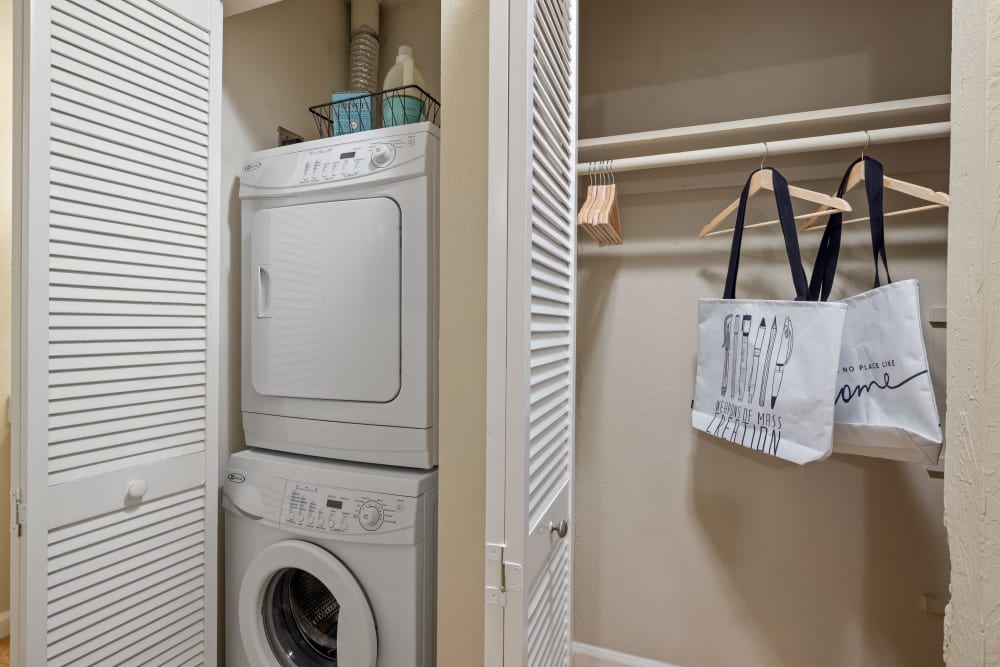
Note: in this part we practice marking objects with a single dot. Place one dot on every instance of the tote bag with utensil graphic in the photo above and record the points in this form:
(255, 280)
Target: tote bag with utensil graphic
(766, 369)
(884, 399)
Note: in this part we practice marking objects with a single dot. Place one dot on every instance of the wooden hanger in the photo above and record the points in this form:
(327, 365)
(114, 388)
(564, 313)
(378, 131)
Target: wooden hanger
(763, 179)
(890, 214)
(599, 215)
(857, 176)
(594, 227)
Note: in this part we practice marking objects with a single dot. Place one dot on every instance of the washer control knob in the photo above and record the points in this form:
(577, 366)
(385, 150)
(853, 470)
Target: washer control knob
(383, 155)
(370, 515)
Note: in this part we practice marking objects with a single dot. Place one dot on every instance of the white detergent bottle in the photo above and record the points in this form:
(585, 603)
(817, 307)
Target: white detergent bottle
(404, 106)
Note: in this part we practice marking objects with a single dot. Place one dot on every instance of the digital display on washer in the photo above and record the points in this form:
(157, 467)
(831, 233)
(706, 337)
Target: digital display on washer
(335, 504)
(347, 156)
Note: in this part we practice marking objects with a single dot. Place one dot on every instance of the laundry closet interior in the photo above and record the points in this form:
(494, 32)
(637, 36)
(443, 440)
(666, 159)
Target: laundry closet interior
(686, 550)
(694, 551)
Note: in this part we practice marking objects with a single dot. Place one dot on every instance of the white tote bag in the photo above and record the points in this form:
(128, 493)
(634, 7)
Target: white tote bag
(767, 369)
(884, 400)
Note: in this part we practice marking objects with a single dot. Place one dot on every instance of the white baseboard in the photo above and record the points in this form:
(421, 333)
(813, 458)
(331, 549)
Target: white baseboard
(585, 655)
(4, 624)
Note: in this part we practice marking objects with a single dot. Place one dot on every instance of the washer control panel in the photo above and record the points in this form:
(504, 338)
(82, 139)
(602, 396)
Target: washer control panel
(336, 163)
(332, 510)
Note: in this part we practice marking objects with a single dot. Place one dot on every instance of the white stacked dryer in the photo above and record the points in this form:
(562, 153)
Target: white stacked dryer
(339, 307)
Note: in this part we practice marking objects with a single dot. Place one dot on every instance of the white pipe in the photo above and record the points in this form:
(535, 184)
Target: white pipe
(364, 13)
(890, 135)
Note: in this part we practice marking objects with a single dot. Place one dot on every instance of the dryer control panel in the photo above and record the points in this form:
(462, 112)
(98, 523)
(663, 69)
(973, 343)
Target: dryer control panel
(335, 163)
(332, 510)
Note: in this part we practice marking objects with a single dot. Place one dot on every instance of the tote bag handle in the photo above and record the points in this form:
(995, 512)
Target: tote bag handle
(788, 230)
(825, 267)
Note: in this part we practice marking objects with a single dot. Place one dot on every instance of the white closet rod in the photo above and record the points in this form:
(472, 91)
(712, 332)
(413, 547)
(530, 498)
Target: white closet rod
(889, 135)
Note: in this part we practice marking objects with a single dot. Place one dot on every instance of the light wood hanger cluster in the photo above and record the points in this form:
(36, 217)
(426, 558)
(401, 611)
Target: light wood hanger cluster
(855, 177)
(599, 215)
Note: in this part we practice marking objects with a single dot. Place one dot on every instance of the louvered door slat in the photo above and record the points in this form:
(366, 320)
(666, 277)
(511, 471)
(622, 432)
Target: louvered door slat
(71, 70)
(127, 160)
(63, 410)
(182, 557)
(135, 233)
(70, 161)
(73, 88)
(141, 208)
(107, 128)
(125, 30)
(89, 280)
(89, 212)
(162, 19)
(68, 109)
(115, 256)
(91, 38)
(186, 648)
(118, 346)
(104, 267)
(103, 238)
(81, 178)
(156, 170)
(174, 32)
(145, 628)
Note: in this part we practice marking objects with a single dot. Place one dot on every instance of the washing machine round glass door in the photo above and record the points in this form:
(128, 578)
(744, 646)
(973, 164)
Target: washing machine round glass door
(301, 607)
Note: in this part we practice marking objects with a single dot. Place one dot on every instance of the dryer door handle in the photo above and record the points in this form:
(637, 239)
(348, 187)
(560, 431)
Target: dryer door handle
(263, 291)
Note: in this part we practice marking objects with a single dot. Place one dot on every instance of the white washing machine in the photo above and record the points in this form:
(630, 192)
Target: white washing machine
(329, 564)
(340, 271)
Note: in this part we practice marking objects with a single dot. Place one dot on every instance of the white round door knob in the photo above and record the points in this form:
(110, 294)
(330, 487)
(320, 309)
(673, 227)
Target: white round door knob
(137, 488)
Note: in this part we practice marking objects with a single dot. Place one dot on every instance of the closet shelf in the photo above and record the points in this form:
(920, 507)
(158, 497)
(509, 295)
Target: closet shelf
(913, 111)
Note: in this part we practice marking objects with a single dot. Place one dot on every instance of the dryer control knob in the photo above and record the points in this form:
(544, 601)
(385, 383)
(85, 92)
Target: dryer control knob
(383, 155)
(370, 516)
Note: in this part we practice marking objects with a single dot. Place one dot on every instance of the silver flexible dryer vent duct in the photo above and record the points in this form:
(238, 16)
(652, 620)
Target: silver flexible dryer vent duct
(363, 68)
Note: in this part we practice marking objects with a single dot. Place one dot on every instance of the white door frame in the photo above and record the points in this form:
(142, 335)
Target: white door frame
(496, 329)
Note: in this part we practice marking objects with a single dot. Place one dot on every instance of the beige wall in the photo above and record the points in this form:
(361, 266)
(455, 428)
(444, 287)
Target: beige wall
(689, 550)
(6, 120)
(972, 492)
(461, 541)
(416, 23)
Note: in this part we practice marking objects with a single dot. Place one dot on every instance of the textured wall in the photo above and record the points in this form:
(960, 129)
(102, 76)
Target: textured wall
(689, 550)
(972, 480)
(464, 51)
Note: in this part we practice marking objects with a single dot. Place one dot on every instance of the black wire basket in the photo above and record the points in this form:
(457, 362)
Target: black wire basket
(349, 113)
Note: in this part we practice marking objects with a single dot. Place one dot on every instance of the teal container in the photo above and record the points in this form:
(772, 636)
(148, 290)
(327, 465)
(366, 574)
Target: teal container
(401, 109)
(351, 113)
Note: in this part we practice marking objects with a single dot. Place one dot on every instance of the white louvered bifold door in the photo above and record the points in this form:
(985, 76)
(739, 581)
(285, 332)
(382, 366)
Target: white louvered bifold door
(539, 313)
(116, 302)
